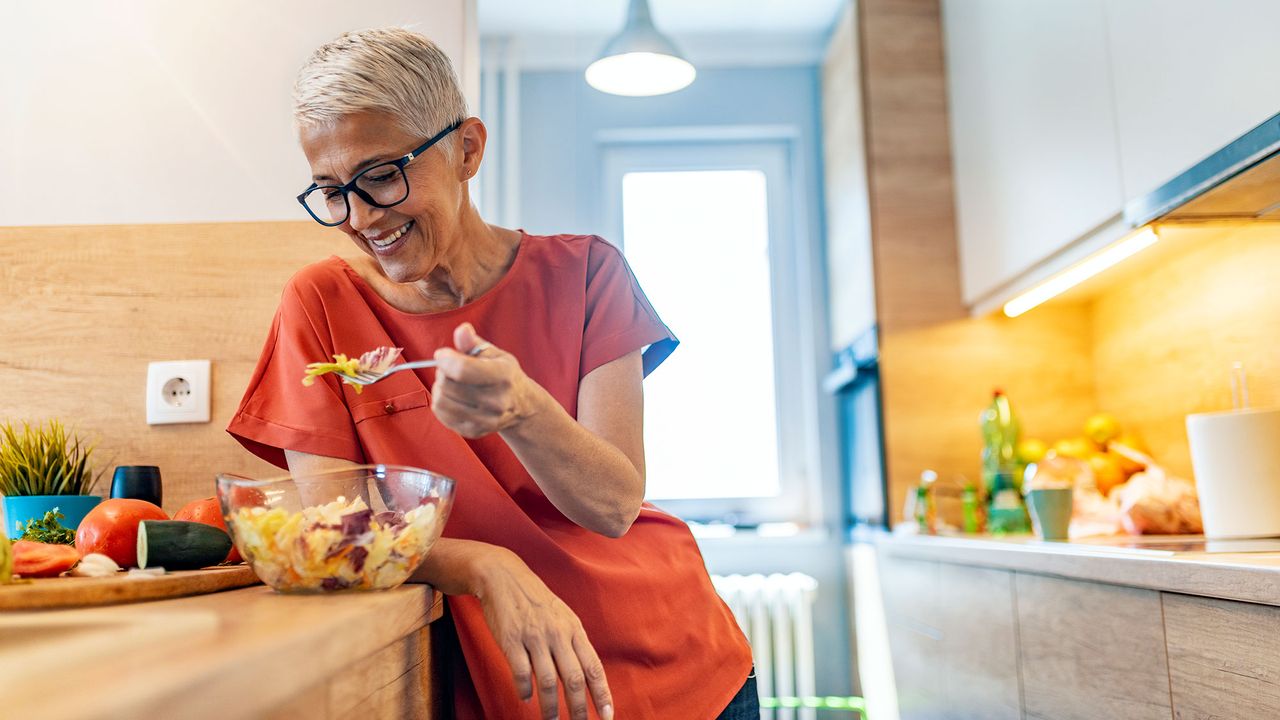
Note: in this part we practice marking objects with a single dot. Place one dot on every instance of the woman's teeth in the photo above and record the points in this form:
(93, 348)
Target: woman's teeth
(388, 239)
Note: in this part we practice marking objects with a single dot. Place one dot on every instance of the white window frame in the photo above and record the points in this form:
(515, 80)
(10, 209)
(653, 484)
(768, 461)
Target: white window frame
(797, 310)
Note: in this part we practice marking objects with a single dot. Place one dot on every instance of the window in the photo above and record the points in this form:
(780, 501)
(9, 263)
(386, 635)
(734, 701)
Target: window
(700, 239)
(707, 229)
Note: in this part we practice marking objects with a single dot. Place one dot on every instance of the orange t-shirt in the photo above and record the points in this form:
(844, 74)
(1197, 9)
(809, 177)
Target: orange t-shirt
(567, 305)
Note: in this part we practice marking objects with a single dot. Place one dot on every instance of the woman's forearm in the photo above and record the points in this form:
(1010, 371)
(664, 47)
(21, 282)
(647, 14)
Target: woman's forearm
(455, 567)
(586, 477)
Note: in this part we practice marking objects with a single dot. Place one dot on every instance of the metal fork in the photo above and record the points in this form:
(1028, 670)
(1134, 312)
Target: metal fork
(369, 378)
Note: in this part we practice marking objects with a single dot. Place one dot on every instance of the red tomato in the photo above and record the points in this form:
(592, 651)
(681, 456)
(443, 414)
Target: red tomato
(209, 512)
(36, 559)
(247, 497)
(111, 528)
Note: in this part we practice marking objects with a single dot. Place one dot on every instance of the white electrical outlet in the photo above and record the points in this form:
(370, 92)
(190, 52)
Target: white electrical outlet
(178, 392)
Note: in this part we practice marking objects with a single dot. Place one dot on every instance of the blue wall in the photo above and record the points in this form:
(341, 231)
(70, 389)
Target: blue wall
(560, 168)
(561, 192)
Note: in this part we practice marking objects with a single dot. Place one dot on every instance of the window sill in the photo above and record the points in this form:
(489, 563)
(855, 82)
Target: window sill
(771, 533)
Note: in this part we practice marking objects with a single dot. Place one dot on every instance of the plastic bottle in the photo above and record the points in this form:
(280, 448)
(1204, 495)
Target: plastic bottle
(972, 511)
(1001, 474)
(926, 503)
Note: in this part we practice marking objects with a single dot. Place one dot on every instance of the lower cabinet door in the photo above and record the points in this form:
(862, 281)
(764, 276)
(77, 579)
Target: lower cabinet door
(979, 643)
(1091, 651)
(1224, 658)
(911, 603)
(953, 640)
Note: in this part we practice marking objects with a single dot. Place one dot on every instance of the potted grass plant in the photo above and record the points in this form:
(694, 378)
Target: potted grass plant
(43, 467)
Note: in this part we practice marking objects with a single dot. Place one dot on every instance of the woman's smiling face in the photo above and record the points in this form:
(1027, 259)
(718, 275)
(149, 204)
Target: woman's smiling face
(409, 239)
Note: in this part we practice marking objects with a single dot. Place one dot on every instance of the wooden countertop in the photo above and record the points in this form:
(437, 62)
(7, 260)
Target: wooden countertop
(240, 653)
(1248, 577)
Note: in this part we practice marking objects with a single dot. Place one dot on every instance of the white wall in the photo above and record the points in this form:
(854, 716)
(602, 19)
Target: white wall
(140, 111)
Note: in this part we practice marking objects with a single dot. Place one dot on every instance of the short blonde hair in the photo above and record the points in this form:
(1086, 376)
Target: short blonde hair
(392, 70)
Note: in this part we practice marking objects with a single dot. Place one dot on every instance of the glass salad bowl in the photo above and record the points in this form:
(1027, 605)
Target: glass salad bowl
(362, 528)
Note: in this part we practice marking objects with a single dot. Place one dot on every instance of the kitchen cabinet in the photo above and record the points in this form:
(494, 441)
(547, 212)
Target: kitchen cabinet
(1033, 133)
(910, 601)
(1061, 111)
(979, 643)
(1194, 636)
(1189, 77)
(1091, 651)
(1224, 658)
(953, 641)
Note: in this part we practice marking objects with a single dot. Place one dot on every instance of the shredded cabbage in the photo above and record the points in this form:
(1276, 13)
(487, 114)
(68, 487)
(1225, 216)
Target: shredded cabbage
(376, 360)
(336, 546)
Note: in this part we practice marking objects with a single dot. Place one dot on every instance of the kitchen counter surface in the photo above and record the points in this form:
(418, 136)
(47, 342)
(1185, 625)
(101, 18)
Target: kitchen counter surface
(241, 653)
(1246, 576)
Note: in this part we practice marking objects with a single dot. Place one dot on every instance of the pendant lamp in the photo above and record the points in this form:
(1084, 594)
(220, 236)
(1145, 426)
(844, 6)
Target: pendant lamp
(640, 61)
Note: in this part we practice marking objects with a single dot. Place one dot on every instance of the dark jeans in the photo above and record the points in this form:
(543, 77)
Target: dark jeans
(746, 704)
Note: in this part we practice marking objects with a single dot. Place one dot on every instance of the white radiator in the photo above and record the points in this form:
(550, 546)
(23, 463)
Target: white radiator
(776, 613)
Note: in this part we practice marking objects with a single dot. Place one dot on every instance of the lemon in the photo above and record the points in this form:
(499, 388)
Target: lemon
(1031, 450)
(1101, 427)
(1078, 448)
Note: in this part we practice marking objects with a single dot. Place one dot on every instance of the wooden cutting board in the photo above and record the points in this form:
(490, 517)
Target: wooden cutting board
(63, 592)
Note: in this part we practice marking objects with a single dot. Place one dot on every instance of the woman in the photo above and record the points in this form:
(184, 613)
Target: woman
(562, 584)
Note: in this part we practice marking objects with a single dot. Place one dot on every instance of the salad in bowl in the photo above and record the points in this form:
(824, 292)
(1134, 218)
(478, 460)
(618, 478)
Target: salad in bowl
(362, 528)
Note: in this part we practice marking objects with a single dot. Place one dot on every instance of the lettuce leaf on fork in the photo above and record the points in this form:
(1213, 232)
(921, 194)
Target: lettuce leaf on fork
(376, 360)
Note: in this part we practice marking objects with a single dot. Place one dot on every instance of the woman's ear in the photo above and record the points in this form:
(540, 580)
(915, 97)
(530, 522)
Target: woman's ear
(474, 136)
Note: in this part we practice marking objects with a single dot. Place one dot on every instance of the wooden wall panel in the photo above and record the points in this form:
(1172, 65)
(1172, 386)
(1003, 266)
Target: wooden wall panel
(938, 364)
(938, 379)
(87, 307)
(909, 164)
(1166, 333)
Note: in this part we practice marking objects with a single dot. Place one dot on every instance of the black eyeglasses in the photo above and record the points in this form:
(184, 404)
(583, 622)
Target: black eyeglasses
(383, 185)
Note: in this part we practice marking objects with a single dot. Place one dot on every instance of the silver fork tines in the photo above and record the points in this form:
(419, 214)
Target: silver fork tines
(369, 378)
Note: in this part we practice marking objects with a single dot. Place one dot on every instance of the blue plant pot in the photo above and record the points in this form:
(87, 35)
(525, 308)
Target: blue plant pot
(22, 508)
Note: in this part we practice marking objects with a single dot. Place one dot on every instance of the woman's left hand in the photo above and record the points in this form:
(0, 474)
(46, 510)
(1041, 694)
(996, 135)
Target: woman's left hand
(475, 395)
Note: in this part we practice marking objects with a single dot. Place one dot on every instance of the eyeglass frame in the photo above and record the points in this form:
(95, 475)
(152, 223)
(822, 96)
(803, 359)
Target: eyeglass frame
(351, 186)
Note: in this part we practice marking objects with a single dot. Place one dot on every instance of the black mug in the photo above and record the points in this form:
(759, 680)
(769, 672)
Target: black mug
(140, 482)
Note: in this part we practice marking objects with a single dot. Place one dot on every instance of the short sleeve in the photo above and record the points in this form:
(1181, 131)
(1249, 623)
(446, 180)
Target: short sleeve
(619, 318)
(277, 412)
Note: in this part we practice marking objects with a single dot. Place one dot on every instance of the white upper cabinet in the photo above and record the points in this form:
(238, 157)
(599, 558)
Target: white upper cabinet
(1190, 76)
(173, 112)
(1033, 133)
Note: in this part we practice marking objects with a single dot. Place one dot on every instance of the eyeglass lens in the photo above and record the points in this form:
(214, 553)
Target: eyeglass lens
(381, 185)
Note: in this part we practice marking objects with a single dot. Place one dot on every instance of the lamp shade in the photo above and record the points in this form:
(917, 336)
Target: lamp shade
(640, 61)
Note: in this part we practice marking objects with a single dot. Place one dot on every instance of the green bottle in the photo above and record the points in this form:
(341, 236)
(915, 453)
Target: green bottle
(1001, 471)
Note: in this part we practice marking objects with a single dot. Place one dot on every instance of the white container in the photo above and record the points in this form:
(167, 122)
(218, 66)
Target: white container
(1236, 459)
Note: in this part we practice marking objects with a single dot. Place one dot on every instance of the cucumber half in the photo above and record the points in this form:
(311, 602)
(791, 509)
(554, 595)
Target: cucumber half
(181, 544)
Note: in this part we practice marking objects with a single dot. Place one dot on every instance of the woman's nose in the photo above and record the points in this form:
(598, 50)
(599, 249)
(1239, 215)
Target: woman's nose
(362, 215)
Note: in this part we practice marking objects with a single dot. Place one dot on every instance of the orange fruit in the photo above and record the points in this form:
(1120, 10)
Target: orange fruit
(1133, 442)
(1107, 472)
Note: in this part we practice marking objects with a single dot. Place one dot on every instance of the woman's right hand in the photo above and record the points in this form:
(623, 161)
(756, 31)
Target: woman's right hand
(542, 639)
